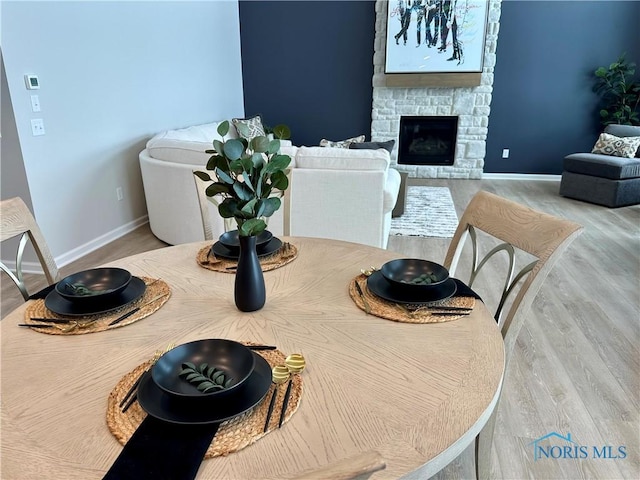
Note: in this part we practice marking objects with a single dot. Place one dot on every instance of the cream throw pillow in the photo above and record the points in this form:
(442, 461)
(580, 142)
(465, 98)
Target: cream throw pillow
(341, 144)
(608, 144)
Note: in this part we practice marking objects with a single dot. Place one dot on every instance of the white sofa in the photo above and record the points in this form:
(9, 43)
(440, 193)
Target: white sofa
(334, 193)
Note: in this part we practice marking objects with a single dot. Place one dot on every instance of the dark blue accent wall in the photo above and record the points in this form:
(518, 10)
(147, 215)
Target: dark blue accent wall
(543, 106)
(309, 64)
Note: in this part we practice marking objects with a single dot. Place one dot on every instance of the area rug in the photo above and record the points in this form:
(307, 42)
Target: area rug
(428, 212)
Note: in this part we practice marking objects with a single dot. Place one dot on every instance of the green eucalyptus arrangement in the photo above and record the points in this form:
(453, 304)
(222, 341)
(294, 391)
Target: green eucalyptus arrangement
(619, 91)
(250, 176)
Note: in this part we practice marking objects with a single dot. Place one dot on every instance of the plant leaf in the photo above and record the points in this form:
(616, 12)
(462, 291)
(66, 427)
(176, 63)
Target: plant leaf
(274, 146)
(242, 191)
(219, 146)
(233, 149)
(204, 176)
(228, 208)
(279, 180)
(249, 207)
(236, 166)
(247, 164)
(216, 161)
(258, 160)
(204, 385)
(216, 188)
(282, 132)
(223, 128)
(253, 226)
(224, 176)
(278, 162)
(271, 204)
(243, 130)
(260, 144)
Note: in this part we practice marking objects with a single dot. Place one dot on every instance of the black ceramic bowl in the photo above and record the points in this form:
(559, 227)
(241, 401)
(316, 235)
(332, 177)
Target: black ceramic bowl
(233, 359)
(414, 274)
(92, 285)
(232, 242)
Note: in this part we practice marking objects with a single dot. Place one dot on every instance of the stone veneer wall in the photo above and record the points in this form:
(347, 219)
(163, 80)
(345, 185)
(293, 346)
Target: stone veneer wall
(471, 104)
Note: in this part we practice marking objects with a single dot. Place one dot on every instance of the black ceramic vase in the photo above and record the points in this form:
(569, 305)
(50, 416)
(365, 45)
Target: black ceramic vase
(249, 288)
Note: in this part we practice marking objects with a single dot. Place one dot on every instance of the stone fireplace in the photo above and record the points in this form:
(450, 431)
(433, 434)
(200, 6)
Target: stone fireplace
(470, 105)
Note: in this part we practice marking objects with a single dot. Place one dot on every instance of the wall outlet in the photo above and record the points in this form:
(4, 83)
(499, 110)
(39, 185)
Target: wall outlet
(119, 194)
(37, 126)
(505, 153)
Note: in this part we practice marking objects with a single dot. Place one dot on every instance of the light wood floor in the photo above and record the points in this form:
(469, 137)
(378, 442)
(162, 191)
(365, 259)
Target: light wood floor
(576, 365)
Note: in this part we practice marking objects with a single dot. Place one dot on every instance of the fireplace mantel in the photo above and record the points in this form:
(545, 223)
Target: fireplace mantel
(428, 80)
(465, 95)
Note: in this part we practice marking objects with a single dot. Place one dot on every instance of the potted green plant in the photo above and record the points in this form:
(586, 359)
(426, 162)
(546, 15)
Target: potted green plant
(250, 176)
(619, 91)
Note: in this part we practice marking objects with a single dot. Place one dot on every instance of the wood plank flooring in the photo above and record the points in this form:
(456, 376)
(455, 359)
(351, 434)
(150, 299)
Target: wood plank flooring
(576, 365)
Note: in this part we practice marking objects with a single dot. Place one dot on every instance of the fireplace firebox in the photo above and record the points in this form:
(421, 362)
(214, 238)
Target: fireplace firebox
(427, 140)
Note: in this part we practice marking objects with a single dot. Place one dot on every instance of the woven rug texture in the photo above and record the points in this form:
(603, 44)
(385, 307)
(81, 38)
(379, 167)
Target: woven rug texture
(428, 212)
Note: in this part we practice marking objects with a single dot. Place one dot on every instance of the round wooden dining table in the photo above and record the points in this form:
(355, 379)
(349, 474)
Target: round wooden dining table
(416, 393)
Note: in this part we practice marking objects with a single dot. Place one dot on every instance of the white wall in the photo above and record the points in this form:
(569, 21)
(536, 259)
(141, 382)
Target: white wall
(112, 75)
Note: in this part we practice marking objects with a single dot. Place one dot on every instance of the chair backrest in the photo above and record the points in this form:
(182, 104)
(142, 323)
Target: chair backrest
(542, 236)
(514, 229)
(16, 219)
(358, 467)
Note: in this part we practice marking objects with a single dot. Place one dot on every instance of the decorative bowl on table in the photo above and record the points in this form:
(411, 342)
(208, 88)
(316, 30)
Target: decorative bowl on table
(232, 242)
(93, 285)
(204, 368)
(414, 274)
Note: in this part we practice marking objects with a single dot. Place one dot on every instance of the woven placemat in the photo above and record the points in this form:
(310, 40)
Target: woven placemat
(286, 254)
(401, 313)
(233, 435)
(157, 292)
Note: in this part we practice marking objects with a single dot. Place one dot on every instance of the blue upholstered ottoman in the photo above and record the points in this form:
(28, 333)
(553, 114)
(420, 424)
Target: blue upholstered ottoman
(603, 179)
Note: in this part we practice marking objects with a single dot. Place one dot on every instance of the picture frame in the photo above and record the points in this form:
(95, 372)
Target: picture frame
(435, 36)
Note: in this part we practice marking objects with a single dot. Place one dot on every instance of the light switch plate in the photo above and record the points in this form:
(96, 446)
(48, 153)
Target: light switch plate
(35, 103)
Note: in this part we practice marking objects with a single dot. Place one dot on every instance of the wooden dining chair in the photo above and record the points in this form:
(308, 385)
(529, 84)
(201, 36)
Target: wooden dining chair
(358, 467)
(15, 220)
(517, 231)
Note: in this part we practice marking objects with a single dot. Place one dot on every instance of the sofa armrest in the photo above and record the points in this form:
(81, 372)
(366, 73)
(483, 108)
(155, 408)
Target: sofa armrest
(391, 190)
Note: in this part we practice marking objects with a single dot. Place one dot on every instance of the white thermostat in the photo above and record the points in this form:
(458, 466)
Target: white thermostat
(32, 82)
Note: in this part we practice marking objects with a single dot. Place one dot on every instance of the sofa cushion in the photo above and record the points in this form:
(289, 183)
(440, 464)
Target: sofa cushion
(624, 131)
(186, 145)
(598, 165)
(342, 143)
(342, 159)
(608, 144)
(388, 145)
(253, 126)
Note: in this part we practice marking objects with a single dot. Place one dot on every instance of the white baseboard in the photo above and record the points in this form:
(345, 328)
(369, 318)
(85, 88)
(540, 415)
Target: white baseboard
(521, 176)
(82, 250)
